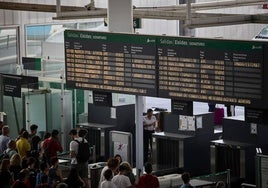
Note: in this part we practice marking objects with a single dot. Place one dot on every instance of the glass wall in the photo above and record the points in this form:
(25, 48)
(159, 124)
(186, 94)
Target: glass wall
(8, 49)
(42, 40)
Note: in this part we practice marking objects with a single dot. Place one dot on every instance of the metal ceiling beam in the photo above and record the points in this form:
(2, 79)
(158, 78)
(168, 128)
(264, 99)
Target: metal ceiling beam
(97, 13)
(37, 7)
(219, 21)
(227, 20)
(177, 13)
(207, 5)
(260, 18)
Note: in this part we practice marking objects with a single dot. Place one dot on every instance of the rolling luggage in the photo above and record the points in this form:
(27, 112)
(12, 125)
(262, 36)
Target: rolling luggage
(218, 116)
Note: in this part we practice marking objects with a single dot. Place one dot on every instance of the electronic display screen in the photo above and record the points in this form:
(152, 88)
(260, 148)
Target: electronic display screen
(189, 69)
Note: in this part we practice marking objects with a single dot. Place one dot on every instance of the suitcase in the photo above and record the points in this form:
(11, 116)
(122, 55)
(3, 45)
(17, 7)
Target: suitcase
(218, 116)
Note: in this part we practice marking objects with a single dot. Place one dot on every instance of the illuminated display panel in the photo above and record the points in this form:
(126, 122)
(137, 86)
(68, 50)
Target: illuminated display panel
(111, 62)
(191, 69)
(210, 70)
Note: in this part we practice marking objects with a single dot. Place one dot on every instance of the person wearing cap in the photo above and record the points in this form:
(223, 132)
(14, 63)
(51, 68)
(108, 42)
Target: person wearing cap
(52, 146)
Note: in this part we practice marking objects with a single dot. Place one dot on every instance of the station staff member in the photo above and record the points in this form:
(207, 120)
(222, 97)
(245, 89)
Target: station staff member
(149, 123)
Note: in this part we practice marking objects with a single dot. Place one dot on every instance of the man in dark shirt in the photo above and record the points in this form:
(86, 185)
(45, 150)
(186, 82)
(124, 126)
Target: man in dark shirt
(33, 138)
(1, 126)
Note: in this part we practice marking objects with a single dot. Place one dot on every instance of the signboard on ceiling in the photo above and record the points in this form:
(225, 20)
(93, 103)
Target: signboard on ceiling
(180, 107)
(12, 84)
(30, 63)
(259, 116)
(101, 98)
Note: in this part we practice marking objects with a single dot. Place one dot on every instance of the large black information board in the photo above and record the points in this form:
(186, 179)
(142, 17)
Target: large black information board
(211, 70)
(111, 62)
(191, 69)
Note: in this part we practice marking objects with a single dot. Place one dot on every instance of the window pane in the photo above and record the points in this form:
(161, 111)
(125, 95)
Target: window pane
(8, 50)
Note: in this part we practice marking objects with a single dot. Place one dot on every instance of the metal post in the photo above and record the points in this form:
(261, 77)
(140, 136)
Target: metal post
(228, 181)
(27, 99)
(139, 135)
(62, 112)
(75, 106)
(94, 154)
(1, 94)
(15, 113)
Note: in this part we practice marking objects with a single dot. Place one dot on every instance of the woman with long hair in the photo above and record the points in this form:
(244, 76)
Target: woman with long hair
(6, 179)
(15, 166)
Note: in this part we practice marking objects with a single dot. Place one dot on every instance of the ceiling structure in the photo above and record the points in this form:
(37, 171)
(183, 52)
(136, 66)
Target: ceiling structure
(194, 14)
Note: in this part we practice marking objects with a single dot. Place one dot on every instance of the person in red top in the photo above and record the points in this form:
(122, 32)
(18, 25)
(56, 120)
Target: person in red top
(52, 146)
(148, 180)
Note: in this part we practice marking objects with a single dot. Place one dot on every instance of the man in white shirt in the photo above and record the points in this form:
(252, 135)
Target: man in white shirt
(82, 167)
(4, 138)
(149, 123)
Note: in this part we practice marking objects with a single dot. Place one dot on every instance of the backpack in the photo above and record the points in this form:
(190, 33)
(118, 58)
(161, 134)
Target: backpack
(83, 151)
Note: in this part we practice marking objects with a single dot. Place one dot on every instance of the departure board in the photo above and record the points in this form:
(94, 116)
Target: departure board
(211, 70)
(190, 69)
(111, 62)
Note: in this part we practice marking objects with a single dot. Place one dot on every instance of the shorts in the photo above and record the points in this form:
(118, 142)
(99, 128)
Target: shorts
(82, 169)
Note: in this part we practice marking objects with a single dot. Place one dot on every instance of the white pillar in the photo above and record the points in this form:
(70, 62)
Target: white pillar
(120, 19)
(120, 16)
(139, 135)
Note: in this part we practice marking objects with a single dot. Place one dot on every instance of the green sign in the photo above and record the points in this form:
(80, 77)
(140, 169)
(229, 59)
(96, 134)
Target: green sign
(30, 63)
(136, 23)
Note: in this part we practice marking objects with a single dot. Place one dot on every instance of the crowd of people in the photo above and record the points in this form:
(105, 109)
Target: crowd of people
(118, 174)
(29, 161)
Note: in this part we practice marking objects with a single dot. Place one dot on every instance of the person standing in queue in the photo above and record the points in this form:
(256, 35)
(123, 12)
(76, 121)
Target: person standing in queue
(80, 166)
(51, 146)
(149, 123)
